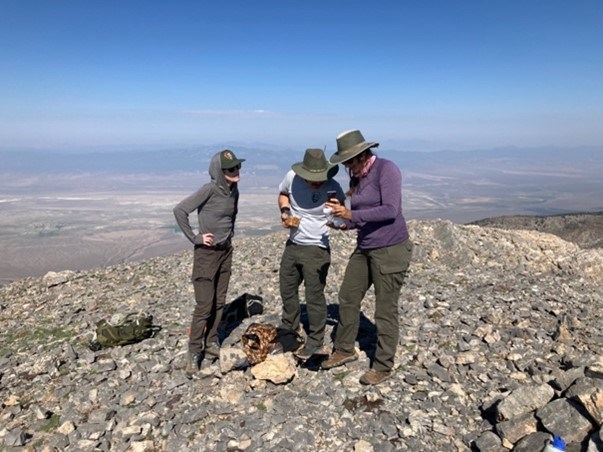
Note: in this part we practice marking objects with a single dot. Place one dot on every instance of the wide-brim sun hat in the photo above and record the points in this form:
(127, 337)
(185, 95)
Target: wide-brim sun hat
(349, 144)
(228, 159)
(315, 167)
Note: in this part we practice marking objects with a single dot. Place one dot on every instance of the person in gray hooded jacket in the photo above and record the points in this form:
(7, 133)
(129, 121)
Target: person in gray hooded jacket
(216, 204)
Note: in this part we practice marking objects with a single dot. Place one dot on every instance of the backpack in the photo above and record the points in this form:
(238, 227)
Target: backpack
(243, 307)
(261, 339)
(134, 328)
(257, 342)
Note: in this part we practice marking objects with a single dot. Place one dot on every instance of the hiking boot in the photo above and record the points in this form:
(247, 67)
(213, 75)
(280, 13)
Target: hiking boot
(306, 352)
(192, 364)
(302, 334)
(339, 358)
(374, 377)
(213, 349)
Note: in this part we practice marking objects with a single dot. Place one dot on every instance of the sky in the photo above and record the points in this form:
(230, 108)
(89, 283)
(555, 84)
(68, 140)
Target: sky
(412, 75)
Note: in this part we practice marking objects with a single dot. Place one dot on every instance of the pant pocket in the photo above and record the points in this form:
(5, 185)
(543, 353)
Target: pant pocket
(396, 258)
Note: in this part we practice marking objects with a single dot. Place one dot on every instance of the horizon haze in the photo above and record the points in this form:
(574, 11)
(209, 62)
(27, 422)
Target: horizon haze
(62, 211)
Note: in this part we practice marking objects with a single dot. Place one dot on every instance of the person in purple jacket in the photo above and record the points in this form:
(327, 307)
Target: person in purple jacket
(381, 258)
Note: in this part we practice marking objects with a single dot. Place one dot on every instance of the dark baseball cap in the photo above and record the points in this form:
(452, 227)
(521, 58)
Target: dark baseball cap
(229, 160)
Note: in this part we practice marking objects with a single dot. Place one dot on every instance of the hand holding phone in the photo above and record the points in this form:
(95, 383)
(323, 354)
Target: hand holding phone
(332, 196)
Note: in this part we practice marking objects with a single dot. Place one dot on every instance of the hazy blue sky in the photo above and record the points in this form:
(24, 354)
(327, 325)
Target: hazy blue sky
(411, 74)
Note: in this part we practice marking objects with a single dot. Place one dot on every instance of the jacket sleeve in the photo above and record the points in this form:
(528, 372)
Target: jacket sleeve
(186, 207)
(235, 213)
(390, 188)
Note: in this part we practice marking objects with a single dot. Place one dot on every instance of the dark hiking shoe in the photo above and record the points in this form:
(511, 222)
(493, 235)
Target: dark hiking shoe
(374, 377)
(339, 358)
(192, 364)
(213, 350)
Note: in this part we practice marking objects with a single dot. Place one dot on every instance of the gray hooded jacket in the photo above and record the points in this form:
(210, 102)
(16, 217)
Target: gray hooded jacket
(216, 206)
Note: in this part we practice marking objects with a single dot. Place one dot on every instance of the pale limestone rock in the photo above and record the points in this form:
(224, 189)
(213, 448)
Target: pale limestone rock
(363, 446)
(276, 368)
(52, 279)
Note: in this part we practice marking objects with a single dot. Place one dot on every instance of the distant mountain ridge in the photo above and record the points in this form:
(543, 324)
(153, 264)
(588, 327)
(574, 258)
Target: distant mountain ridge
(583, 229)
(162, 161)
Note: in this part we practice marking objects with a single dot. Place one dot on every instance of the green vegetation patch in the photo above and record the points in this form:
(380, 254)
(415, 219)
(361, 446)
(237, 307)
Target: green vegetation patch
(52, 424)
(13, 341)
(340, 376)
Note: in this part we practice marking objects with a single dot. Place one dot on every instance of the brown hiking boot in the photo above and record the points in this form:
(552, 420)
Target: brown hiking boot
(374, 377)
(213, 350)
(339, 358)
(306, 352)
(192, 364)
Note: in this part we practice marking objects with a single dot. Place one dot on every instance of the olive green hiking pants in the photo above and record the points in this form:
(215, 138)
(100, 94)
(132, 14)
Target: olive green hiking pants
(308, 264)
(385, 269)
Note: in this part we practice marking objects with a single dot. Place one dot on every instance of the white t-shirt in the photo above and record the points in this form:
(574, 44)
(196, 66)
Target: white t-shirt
(307, 203)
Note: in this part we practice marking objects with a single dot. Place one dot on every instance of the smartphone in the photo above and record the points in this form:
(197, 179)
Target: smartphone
(331, 194)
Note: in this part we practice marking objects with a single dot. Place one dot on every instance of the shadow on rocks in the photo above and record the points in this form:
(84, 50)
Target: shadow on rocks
(235, 312)
(367, 332)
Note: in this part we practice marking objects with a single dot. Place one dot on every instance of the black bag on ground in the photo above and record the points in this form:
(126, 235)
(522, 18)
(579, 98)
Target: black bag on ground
(134, 328)
(243, 307)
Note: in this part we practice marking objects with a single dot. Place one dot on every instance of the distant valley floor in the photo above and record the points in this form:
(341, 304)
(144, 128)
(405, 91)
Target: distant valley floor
(59, 222)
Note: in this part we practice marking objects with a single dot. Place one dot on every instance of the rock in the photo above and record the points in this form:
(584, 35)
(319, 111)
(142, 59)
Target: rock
(593, 403)
(363, 446)
(595, 371)
(534, 442)
(565, 418)
(278, 369)
(15, 438)
(517, 428)
(523, 400)
(66, 428)
(232, 358)
(52, 279)
(489, 442)
(142, 446)
(40, 413)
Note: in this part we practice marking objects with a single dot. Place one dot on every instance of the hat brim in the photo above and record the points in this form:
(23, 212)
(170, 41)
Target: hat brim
(351, 153)
(317, 176)
(234, 163)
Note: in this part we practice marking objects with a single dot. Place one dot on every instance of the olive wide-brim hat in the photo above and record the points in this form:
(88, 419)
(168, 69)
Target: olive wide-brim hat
(315, 166)
(349, 145)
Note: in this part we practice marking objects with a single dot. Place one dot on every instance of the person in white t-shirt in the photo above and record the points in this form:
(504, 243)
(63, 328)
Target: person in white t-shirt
(307, 256)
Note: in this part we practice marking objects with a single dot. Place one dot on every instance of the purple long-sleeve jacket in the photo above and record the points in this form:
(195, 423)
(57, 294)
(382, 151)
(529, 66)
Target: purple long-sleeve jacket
(377, 207)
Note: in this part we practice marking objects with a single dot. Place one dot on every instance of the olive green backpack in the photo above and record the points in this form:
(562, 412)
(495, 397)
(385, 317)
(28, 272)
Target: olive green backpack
(134, 328)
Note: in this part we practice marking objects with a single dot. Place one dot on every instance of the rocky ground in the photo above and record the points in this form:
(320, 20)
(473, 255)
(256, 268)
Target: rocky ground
(501, 345)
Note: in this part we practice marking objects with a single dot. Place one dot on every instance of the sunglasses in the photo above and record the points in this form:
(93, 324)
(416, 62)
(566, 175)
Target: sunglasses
(351, 161)
(233, 169)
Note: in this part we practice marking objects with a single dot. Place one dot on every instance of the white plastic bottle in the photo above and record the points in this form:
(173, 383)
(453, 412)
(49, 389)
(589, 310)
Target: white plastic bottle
(557, 445)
